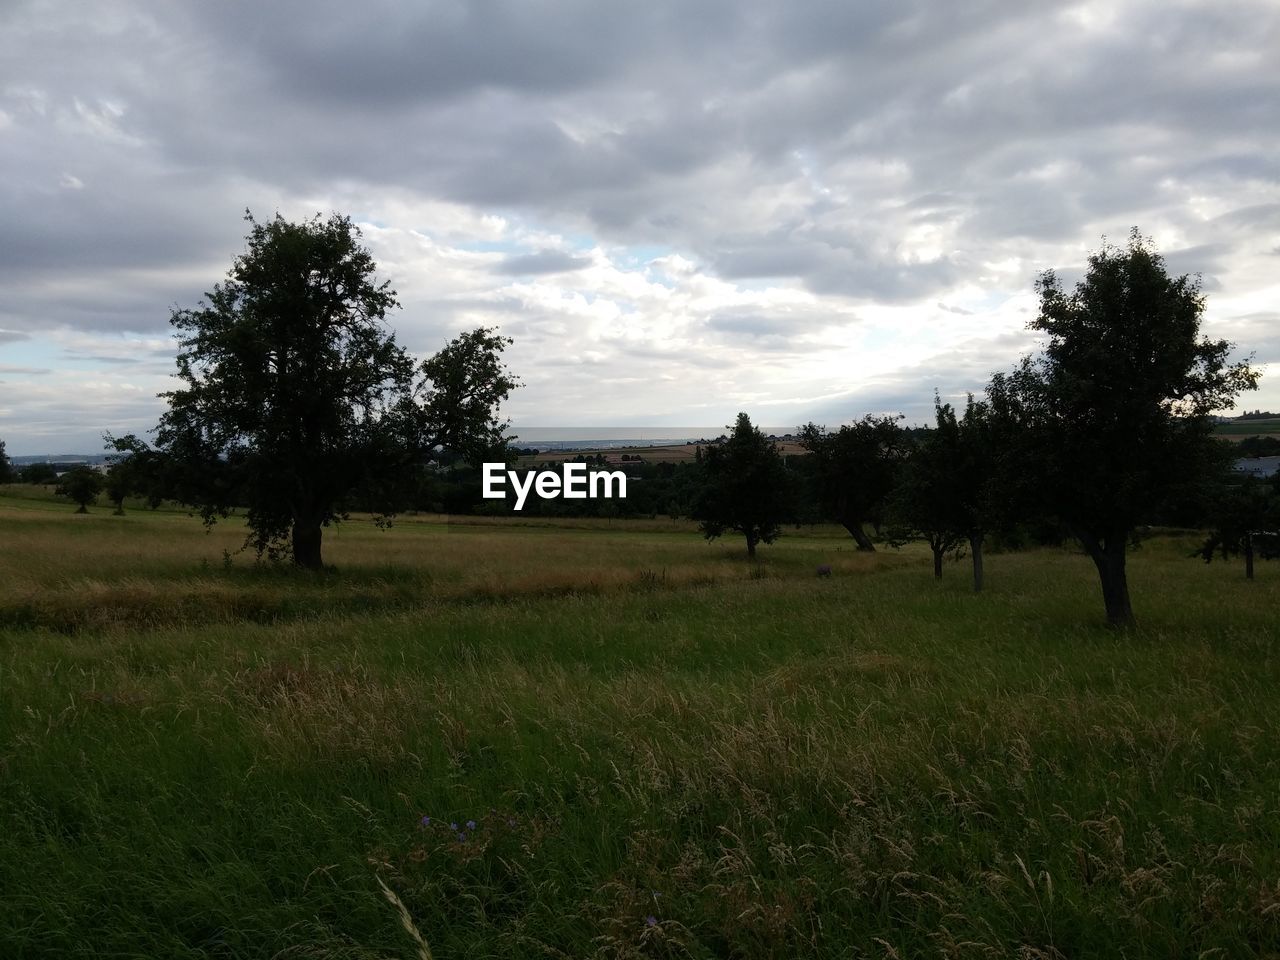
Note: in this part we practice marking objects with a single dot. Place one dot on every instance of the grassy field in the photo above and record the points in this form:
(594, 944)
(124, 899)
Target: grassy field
(1239, 429)
(616, 740)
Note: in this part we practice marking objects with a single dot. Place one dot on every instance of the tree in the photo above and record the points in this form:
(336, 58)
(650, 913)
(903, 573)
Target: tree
(7, 474)
(1245, 521)
(857, 469)
(295, 394)
(948, 490)
(41, 473)
(135, 470)
(81, 485)
(744, 487)
(1114, 416)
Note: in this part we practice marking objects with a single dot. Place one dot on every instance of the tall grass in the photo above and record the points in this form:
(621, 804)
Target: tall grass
(646, 751)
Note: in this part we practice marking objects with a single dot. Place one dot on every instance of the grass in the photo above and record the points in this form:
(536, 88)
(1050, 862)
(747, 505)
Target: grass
(664, 753)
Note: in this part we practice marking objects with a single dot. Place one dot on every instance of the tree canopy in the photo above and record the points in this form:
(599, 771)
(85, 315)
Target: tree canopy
(1114, 415)
(295, 394)
(948, 490)
(857, 468)
(81, 485)
(745, 487)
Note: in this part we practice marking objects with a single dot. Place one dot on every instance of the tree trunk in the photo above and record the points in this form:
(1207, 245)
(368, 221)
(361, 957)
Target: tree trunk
(937, 561)
(306, 544)
(83, 509)
(751, 547)
(860, 536)
(975, 548)
(1248, 556)
(1115, 586)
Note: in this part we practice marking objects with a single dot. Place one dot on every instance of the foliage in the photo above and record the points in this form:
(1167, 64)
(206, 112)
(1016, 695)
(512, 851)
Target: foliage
(745, 487)
(1114, 416)
(857, 468)
(81, 485)
(295, 395)
(949, 491)
(7, 473)
(40, 473)
(1245, 521)
(135, 470)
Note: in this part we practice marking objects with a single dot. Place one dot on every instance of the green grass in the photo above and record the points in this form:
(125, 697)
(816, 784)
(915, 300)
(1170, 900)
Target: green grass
(1248, 428)
(200, 760)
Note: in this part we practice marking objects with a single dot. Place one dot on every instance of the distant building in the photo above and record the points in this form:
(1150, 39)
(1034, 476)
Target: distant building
(1261, 467)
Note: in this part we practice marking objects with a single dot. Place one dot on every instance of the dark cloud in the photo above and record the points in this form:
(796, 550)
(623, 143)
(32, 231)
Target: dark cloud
(543, 262)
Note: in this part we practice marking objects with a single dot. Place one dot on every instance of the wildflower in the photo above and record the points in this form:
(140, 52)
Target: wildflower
(471, 824)
(651, 921)
(462, 837)
(453, 827)
(426, 821)
(511, 821)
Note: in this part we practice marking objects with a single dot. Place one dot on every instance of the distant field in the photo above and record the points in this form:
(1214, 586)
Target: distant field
(1248, 428)
(628, 743)
(675, 453)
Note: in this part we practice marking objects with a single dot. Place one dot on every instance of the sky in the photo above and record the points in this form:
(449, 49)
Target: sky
(807, 211)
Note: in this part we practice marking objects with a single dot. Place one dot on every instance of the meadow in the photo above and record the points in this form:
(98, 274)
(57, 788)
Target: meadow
(613, 739)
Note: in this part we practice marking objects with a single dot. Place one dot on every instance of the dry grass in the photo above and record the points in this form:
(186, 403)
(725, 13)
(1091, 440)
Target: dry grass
(646, 751)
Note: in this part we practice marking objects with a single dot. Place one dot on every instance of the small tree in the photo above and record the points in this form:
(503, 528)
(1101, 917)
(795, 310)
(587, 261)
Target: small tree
(1114, 417)
(1245, 521)
(81, 485)
(744, 487)
(7, 474)
(135, 470)
(947, 494)
(857, 469)
(40, 473)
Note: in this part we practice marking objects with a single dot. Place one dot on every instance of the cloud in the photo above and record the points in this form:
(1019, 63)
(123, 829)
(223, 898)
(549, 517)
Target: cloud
(544, 261)
(756, 199)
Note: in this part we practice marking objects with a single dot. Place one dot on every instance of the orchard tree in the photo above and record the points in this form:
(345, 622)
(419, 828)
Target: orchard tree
(295, 395)
(857, 469)
(1114, 415)
(135, 470)
(1245, 519)
(80, 485)
(41, 473)
(744, 487)
(948, 493)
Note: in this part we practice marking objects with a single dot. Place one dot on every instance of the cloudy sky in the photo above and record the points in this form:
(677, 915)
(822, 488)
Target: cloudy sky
(677, 210)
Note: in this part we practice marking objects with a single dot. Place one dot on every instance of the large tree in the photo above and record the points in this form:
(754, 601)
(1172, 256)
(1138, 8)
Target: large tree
(1115, 412)
(857, 468)
(295, 394)
(744, 487)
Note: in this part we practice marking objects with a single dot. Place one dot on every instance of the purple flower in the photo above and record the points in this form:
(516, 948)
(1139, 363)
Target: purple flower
(651, 921)
(471, 824)
(462, 836)
(453, 827)
(426, 821)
